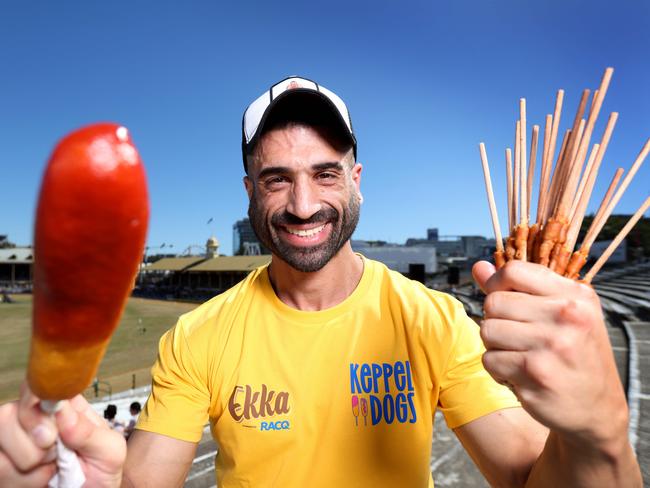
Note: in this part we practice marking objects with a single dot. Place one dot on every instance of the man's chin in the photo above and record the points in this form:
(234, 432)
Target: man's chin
(305, 260)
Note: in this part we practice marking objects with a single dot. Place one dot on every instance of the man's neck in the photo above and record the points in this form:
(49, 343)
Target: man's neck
(321, 289)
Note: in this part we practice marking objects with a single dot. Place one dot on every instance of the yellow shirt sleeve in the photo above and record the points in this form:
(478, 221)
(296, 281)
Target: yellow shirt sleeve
(179, 401)
(467, 391)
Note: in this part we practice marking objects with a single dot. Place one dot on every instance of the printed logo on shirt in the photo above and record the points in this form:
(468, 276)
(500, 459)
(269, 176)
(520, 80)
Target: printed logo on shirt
(382, 392)
(247, 405)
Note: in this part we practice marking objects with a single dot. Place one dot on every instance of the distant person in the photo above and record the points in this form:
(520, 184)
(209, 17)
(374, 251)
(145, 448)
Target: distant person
(109, 414)
(283, 364)
(134, 410)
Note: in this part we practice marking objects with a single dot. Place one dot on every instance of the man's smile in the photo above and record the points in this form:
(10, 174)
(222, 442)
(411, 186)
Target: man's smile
(306, 234)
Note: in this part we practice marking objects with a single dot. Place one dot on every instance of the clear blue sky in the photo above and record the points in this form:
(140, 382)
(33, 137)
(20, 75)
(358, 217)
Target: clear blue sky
(425, 81)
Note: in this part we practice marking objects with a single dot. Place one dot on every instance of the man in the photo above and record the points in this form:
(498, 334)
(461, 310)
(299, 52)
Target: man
(325, 368)
(134, 410)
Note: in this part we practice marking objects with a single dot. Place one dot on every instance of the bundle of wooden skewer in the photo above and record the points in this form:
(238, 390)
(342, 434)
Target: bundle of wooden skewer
(564, 190)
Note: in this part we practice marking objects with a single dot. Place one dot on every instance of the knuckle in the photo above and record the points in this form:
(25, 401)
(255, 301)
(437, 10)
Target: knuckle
(488, 361)
(510, 271)
(539, 371)
(561, 345)
(7, 413)
(490, 305)
(568, 310)
(27, 459)
(485, 332)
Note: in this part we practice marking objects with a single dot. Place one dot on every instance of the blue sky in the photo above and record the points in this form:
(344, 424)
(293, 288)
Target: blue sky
(425, 82)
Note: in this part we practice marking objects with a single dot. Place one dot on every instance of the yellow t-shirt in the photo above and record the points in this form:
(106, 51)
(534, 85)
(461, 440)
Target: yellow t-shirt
(340, 397)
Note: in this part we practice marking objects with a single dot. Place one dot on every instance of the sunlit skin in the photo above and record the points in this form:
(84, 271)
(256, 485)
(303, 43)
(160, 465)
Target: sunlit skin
(298, 174)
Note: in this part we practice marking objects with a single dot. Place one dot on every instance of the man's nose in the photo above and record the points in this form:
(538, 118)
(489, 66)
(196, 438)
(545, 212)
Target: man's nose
(304, 200)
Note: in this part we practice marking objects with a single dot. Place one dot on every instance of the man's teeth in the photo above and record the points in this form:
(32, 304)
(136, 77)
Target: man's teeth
(305, 233)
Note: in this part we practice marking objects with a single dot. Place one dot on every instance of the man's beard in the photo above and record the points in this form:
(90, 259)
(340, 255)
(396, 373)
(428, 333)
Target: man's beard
(309, 258)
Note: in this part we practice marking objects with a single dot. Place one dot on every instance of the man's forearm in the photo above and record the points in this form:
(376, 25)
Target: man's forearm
(577, 464)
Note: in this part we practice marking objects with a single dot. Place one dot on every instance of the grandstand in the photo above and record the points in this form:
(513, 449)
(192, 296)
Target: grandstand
(195, 278)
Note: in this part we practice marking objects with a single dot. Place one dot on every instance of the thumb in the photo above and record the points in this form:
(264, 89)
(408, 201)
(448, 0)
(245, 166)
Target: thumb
(89, 436)
(482, 271)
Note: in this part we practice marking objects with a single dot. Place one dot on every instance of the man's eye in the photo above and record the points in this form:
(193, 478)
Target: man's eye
(275, 180)
(326, 176)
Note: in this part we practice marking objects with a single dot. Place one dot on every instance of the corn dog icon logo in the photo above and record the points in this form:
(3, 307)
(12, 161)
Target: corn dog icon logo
(355, 409)
(384, 392)
(364, 410)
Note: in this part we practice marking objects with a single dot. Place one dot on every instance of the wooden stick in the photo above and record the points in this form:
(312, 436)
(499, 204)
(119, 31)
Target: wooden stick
(523, 218)
(575, 221)
(617, 240)
(603, 204)
(598, 217)
(490, 195)
(568, 168)
(559, 98)
(511, 220)
(596, 227)
(574, 140)
(531, 166)
(516, 177)
(610, 190)
(576, 166)
(555, 180)
(604, 142)
(545, 179)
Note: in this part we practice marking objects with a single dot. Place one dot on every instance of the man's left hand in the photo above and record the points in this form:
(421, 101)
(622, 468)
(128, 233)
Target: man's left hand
(546, 337)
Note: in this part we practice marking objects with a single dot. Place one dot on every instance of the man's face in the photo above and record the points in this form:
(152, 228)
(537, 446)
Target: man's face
(304, 196)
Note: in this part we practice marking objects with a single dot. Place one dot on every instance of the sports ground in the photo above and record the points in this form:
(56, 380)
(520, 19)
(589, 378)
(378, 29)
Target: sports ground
(132, 350)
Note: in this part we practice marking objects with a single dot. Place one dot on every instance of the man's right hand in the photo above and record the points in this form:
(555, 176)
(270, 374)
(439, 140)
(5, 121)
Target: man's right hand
(28, 437)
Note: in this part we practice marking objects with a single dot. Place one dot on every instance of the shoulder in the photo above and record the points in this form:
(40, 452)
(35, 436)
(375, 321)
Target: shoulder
(201, 321)
(414, 296)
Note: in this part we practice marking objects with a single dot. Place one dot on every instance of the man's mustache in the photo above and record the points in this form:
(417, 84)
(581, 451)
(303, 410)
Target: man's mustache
(320, 217)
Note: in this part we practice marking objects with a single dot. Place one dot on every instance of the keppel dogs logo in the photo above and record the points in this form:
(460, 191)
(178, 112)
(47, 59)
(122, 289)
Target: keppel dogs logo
(383, 392)
(247, 405)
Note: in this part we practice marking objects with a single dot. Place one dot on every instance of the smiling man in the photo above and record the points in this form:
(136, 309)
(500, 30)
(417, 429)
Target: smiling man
(325, 368)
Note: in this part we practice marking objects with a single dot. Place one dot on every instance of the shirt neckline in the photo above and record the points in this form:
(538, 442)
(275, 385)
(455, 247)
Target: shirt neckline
(319, 317)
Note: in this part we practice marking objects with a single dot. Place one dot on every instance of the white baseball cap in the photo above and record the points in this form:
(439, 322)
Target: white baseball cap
(257, 112)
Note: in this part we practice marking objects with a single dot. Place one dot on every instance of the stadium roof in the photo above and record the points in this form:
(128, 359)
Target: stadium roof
(174, 264)
(17, 255)
(232, 263)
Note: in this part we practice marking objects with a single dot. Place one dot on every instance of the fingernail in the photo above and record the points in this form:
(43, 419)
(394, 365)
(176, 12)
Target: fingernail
(67, 417)
(43, 435)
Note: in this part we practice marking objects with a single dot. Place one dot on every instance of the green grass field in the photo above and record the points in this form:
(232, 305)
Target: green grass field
(132, 350)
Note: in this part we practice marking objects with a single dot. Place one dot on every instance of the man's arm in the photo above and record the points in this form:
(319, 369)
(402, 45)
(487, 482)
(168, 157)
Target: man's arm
(496, 445)
(545, 336)
(156, 460)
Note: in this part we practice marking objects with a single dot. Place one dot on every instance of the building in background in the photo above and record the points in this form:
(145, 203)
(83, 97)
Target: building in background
(244, 240)
(470, 247)
(618, 256)
(16, 267)
(408, 260)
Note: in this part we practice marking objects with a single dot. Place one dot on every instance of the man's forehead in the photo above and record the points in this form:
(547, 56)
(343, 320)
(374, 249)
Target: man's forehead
(297, 144)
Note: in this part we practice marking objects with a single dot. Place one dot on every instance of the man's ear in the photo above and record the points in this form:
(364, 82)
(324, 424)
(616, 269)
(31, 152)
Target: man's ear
(248, 184)
(356, 179)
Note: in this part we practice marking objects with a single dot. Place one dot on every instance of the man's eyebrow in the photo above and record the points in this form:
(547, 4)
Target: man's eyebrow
(325, 166)
(273, 170)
